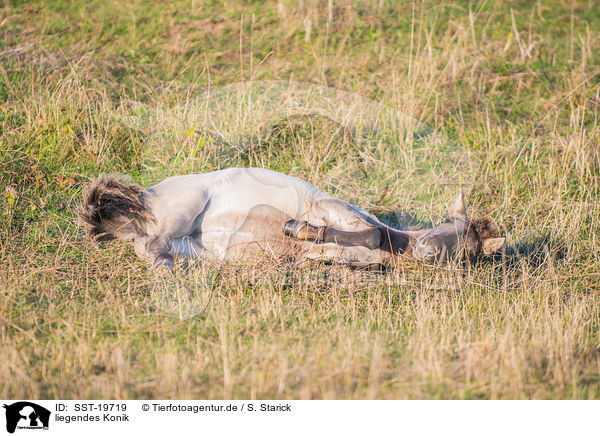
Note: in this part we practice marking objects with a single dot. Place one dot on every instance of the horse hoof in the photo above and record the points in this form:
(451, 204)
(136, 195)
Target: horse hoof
(373, 239)
(163, 261)
(292, 227)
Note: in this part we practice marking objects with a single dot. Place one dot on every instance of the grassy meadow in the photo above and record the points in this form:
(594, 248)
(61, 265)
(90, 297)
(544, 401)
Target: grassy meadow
(514, 85)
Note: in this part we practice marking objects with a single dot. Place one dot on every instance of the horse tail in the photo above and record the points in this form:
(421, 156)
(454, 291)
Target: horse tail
(114, 209)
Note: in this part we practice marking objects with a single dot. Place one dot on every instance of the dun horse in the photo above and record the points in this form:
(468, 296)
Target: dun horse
(237, 211)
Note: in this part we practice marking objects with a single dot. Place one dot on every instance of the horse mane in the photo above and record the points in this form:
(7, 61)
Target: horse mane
(484, 227)
(113, 208)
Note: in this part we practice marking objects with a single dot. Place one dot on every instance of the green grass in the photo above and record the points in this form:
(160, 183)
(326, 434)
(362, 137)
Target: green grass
(515, 85)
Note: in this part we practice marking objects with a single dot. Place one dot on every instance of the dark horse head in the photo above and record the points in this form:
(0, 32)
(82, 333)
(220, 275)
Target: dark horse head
(458, 237)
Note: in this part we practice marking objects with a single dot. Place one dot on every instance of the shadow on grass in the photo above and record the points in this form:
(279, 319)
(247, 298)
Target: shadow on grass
(402, 220)
(534, 252)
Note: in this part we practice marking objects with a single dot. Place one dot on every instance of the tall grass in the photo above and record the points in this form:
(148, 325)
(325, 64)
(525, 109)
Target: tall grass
(515, 85)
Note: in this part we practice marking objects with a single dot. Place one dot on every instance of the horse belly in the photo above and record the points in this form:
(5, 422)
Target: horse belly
(236, 230)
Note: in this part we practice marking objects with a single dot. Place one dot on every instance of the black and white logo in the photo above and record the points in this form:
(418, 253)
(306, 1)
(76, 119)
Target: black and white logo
(26, 415)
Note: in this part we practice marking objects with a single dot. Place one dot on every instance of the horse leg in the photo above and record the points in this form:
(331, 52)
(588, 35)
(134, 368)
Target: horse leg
(369, 238)
(356, 256)
(344, 224)
(160, 246)
(347, 224)
(342, 215)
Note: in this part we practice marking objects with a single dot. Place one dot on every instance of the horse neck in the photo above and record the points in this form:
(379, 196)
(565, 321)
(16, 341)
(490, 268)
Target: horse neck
(400, 242)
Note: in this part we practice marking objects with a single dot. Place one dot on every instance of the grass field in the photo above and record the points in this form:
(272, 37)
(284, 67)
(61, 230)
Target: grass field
(513, 84)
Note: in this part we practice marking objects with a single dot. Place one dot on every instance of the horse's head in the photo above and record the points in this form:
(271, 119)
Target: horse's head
(458, 237)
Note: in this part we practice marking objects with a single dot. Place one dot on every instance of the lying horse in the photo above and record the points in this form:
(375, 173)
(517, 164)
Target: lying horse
(237, 211)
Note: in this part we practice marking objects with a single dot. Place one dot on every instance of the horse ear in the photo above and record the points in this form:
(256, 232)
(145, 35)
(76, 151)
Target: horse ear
(458, 208)
(493, 244)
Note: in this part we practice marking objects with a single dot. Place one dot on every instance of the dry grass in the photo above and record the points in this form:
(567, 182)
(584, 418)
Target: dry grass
(516, 88)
